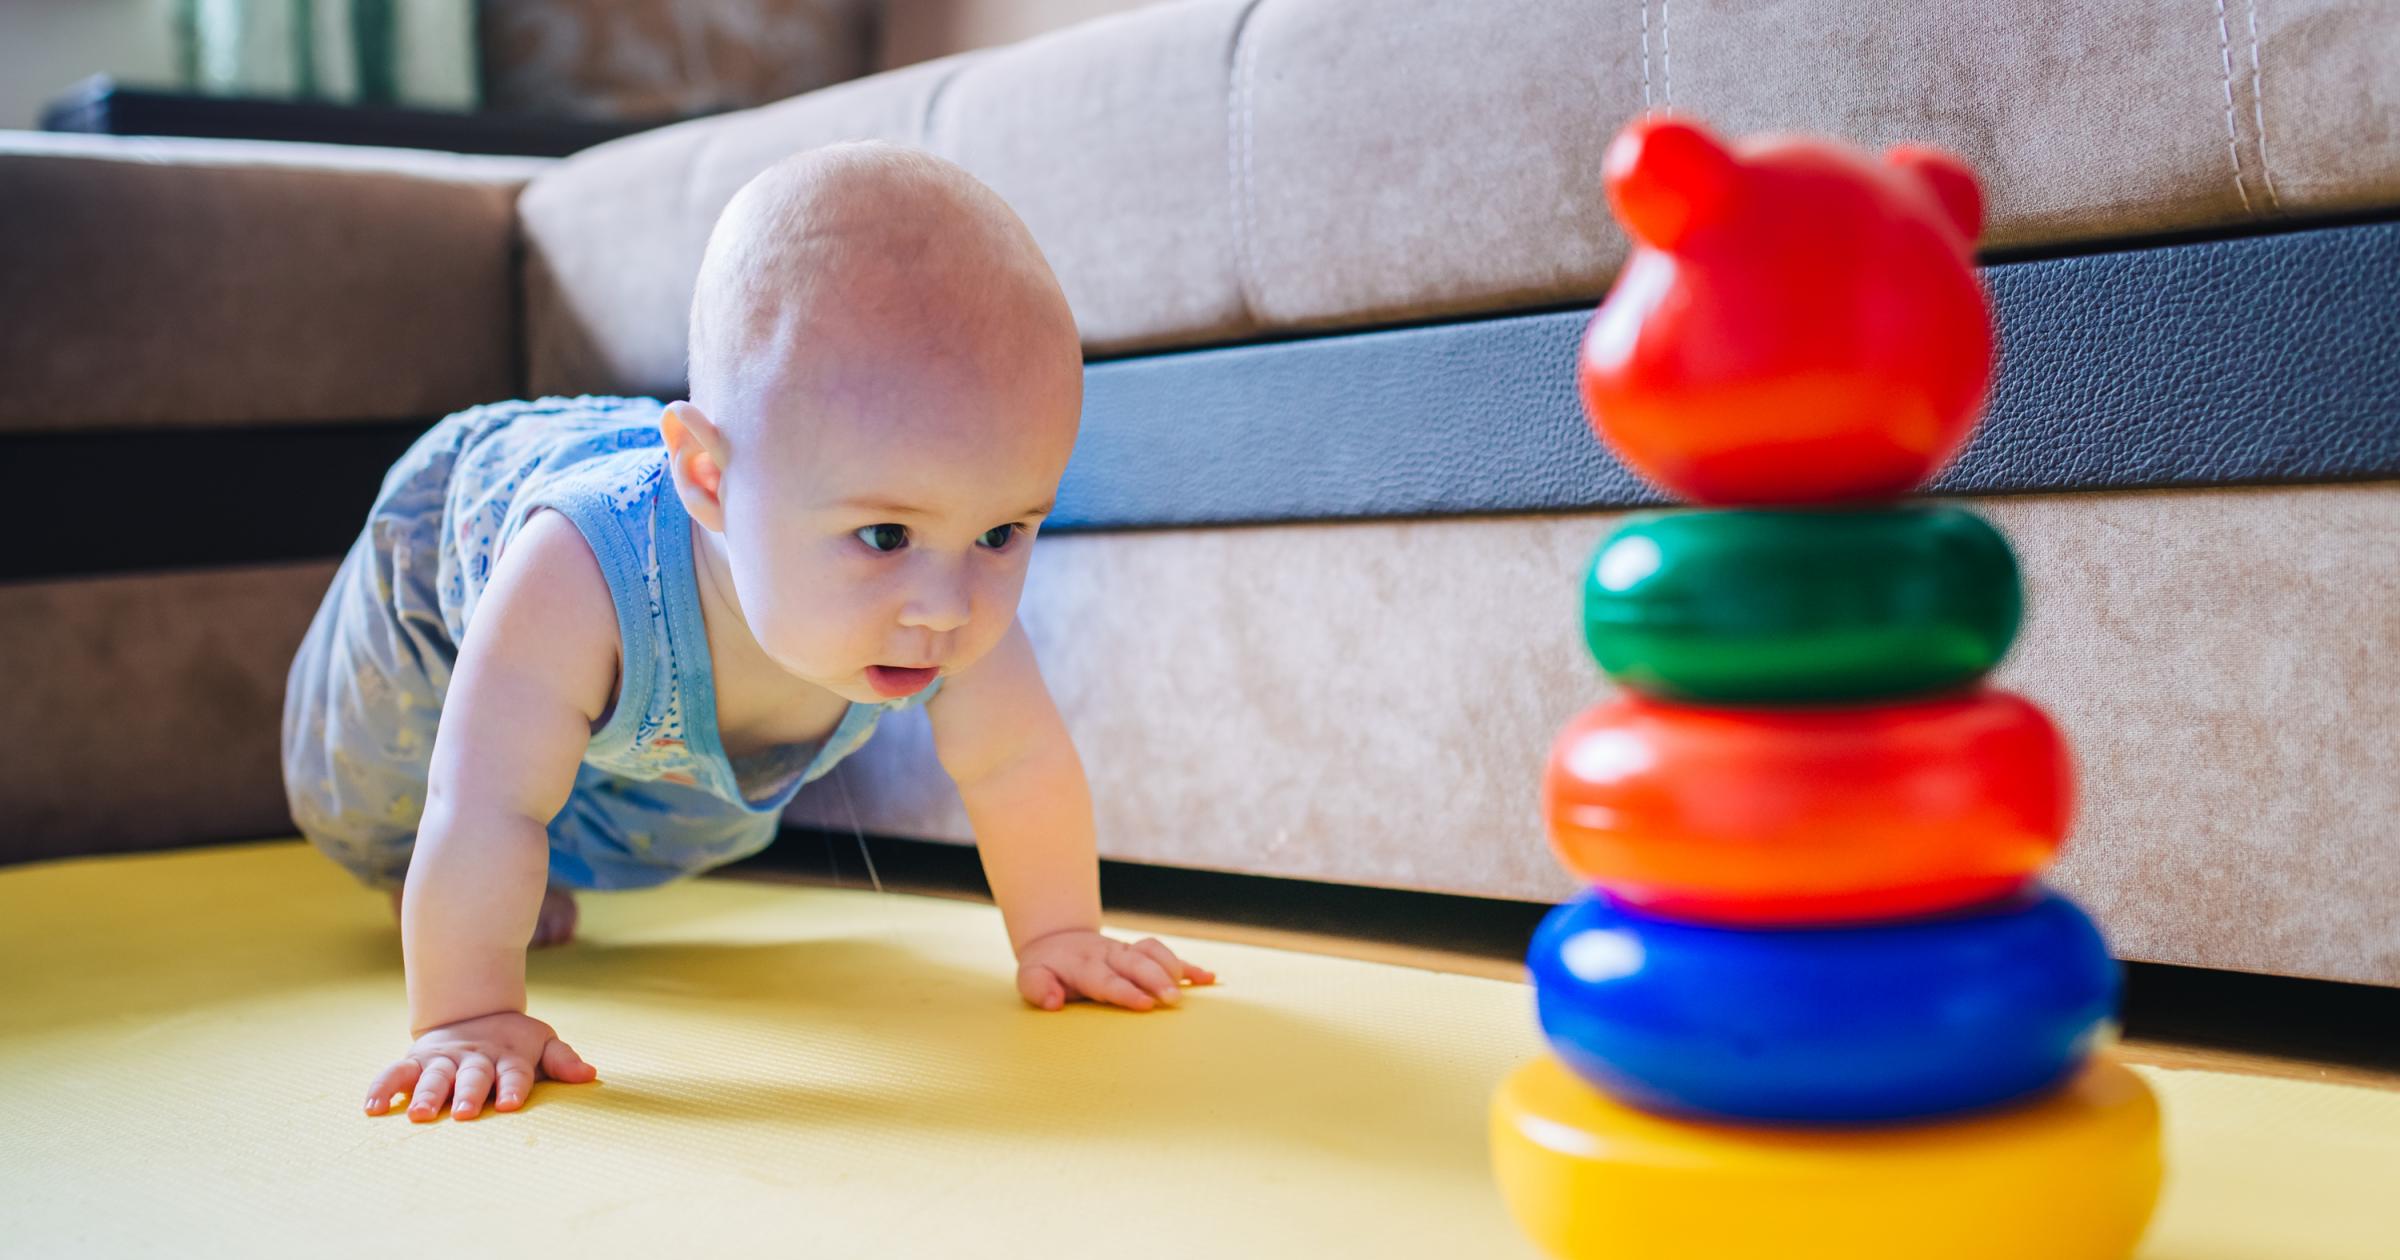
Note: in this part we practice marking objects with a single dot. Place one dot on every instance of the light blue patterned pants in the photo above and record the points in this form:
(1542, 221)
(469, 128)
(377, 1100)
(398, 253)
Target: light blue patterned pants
(364, 699)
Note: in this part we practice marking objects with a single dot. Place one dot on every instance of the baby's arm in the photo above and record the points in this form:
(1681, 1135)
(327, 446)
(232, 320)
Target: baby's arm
(1000, 737)
(536, 668)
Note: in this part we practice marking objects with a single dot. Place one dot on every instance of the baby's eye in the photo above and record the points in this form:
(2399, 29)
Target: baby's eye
(884, 537)
(998, 535)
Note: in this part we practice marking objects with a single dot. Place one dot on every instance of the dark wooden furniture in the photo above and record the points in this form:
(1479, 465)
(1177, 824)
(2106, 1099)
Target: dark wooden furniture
(101, 105)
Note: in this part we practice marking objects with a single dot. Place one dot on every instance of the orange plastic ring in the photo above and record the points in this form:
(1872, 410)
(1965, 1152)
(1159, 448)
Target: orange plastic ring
(1790, 816)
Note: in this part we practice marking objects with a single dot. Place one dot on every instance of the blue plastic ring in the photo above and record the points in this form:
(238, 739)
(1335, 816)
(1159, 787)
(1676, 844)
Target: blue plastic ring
(1854, 1024)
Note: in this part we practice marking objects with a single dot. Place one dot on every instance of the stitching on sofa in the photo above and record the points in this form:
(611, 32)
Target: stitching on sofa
(2258, 115)
(1666, 56)
(1239, 145)
(2233, 144)
(934, 96)
(1645, 56)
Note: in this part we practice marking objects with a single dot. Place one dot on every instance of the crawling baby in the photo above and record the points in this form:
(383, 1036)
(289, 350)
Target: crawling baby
(601, 642)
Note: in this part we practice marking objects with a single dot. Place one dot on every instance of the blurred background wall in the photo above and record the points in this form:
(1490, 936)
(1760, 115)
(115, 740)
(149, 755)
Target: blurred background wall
(623, 59)
(920, 30)
(45, 45)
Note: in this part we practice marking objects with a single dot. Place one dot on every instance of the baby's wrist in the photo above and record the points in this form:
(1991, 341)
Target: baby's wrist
(419, 1028)
(1038, 936)
(454, 990)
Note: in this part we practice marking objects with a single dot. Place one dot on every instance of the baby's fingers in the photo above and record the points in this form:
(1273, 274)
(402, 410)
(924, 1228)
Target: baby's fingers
(1158, 951)
(399, 1077)
(1042, 987)
(561, 1063)
(516, 1081)
(474, 1082)
(1144, 970)
(433, 1088)
(1101, 982)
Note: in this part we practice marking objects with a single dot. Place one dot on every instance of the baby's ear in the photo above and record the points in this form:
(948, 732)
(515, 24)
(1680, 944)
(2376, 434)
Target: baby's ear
(695, 460)
(1952, 184)
(1666, 177)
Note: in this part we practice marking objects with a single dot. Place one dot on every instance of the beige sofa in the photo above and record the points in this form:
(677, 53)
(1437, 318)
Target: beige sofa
(1357, 696)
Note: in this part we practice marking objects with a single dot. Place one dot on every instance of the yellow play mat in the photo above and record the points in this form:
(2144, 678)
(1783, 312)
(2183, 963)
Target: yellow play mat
(186, 1039)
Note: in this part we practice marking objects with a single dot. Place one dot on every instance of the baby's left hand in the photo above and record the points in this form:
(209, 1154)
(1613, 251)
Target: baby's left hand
(1076, 963)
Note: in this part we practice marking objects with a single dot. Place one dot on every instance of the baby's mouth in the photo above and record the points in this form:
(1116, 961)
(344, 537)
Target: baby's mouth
(893, 682)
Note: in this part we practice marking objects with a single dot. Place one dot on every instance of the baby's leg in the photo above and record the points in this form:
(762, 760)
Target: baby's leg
(556, 926)
(359, 714)
(365, 692)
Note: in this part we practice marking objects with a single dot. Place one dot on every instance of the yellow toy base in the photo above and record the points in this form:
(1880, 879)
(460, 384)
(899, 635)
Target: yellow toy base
(2070, 1177)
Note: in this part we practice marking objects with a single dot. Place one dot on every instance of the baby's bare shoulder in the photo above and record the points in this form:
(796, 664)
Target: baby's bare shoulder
(547, 612)
(536, 667)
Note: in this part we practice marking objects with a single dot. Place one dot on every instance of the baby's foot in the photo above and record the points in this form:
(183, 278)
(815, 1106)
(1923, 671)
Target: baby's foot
(556, 924)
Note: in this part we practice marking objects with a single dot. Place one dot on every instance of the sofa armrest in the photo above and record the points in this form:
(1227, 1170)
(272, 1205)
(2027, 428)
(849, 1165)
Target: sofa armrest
(163, 282)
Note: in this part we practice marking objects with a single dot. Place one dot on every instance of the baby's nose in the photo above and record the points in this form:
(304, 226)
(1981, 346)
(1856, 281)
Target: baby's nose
(938, 609)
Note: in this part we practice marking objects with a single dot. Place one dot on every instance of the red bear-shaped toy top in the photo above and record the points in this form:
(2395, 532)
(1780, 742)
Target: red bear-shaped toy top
(1799, 323)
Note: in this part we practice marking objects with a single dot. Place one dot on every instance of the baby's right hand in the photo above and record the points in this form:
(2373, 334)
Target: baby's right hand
(458, 1064)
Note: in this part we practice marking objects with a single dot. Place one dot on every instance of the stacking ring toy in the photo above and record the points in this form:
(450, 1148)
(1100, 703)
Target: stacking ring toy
(1776, 816)
(1793, 607)
(1830, 1025)
(2069, 1177)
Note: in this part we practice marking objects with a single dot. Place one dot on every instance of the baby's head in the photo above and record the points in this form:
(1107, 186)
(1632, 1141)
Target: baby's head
(885, 387)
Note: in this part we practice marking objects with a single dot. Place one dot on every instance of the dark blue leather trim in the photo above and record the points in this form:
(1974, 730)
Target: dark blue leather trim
(2262, 359)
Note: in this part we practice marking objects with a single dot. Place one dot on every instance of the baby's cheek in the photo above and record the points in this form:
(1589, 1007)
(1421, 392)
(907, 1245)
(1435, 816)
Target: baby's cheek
(793, 629)
(822, 641)
(812, 621)
(995, 610)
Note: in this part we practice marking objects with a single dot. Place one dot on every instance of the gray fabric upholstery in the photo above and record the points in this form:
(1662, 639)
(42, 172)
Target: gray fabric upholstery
(1215, 169)
(1373, 702)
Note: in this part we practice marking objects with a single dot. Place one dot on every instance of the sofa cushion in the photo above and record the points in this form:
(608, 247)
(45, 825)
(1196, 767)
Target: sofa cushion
(612, 246)
(1371, 702)
(155, 282)
(1450, 163)
(1107, 138)
(1214, 169)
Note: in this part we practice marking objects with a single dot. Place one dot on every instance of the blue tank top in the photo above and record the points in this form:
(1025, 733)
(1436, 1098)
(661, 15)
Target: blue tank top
(601, 463)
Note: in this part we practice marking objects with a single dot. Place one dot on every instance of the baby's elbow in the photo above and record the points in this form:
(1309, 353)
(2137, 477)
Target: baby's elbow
(1038, 767)
(452, 815)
